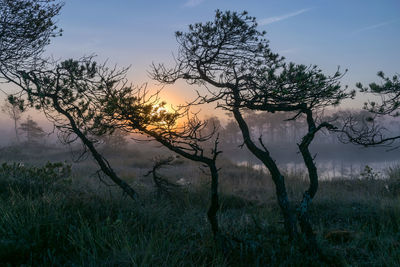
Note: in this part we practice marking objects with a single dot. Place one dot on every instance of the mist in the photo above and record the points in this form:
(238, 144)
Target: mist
(199, 133)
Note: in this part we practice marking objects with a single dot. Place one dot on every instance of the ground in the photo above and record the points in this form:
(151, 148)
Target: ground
(71, 219)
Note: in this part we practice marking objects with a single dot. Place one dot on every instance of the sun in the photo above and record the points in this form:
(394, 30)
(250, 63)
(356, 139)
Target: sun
(159, 109)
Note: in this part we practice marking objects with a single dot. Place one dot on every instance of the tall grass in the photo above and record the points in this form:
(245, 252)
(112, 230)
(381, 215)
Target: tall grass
(69, 223)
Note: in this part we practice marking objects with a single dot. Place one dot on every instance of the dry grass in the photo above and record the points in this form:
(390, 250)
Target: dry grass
(78, 221)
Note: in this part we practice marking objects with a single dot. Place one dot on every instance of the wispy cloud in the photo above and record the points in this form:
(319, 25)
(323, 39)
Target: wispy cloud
(270, 20)
(193, 3)
(375, 26)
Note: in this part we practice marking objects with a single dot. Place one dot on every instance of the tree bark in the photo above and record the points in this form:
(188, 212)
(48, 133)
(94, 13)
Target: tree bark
(210, 162)
(103, 163)
(277, 177)
(303, 215)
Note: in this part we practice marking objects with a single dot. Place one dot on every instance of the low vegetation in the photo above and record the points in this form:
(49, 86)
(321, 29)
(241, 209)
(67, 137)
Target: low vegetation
(66, 222)
(62, 215)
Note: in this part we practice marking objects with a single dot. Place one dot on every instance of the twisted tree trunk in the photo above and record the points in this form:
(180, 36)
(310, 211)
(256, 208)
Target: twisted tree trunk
(103, 163)
(303, 214)
(278, 179)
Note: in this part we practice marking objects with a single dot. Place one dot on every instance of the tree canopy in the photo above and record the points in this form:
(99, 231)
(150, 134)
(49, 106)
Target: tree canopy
(70, 94)
(388, 90)
(230, 54)
(233, 60)
(369, 130)
(26, 28)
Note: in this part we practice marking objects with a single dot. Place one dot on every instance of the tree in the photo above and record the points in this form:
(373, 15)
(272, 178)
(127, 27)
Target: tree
(163, 185)
(26, 27)
(388, 90)
(369, 131)
(14, 110)
(233, 60)
(34, 133)
(66, 92)
(178, 131)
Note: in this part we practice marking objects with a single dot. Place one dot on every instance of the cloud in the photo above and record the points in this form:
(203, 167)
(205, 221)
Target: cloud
(193, 3)
(270, 20)
(375, 26)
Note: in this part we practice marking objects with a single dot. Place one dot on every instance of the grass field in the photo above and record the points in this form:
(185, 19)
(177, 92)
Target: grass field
(51, 217)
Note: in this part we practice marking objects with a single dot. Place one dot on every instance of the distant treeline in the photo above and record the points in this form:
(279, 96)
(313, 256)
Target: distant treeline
(279, 129)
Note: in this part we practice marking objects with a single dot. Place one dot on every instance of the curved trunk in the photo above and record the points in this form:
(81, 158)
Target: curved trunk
(103, 163)
(210, 162)
(309, 194)
(277, 177)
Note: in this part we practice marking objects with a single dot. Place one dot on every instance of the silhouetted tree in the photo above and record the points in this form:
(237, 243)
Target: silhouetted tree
(370, 130)
(178, 131)
(232, 56)
(388, 90)
(26, 27)
(162, 184)
(67, 93)
(13, 109)
(34, 133)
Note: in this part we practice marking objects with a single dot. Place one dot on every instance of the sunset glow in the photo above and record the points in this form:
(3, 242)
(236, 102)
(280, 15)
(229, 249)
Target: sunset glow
(199, 133)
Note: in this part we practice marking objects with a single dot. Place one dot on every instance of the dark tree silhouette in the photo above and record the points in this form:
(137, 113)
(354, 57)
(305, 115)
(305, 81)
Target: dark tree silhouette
(178, 131)
(26, 27)
(233, 60)
(162, 184)
(85, 100)
(305, 90)
(388, 90)
(67, 93)
(369, 130)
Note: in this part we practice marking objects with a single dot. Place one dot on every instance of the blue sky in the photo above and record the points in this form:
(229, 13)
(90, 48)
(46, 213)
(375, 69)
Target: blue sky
(360, 35)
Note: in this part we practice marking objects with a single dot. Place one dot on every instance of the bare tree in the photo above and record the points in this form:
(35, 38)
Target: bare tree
(233, 60)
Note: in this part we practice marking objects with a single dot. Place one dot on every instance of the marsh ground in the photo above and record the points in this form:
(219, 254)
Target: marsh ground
(76, 220)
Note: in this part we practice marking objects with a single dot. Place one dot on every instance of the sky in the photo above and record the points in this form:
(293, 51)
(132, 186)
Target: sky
(359, 35)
